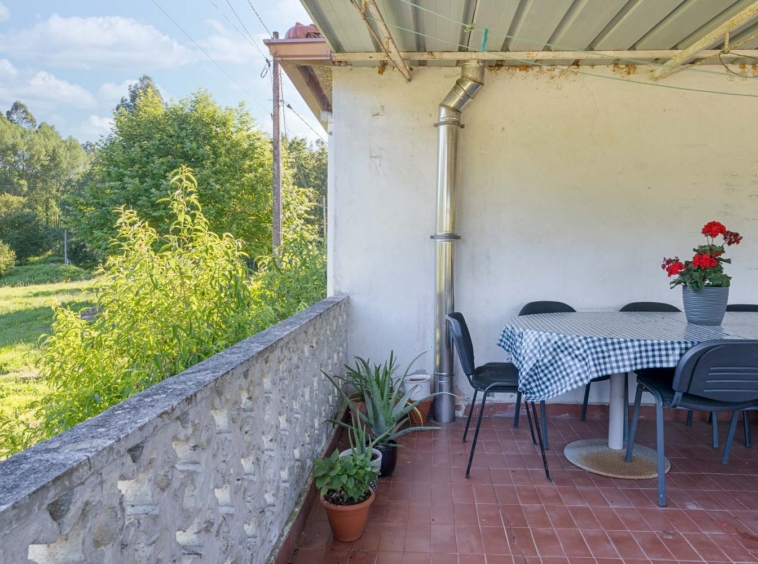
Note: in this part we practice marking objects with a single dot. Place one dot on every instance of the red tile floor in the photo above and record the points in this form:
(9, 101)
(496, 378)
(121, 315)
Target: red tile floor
(507, 513)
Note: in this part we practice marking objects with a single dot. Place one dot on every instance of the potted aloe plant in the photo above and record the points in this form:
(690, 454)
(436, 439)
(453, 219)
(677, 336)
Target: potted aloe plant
(705, 285)
(386, 408)
(346, 486)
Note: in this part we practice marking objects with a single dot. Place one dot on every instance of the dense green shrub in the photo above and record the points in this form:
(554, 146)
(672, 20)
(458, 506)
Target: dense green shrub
(167, 302)
(44, 273)
(7, 259)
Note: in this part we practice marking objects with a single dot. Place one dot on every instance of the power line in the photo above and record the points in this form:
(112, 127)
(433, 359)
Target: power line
(574, 71)
(230, 77)
(303, 120)
(260, 18)
(245, 37)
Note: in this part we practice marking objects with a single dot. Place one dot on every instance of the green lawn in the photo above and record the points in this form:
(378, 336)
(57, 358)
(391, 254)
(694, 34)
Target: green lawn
(25, 314)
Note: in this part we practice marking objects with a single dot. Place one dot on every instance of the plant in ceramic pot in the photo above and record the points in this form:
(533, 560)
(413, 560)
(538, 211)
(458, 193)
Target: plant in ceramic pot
(705, 285)
(386, 411)
(344, 485)
(362, 444)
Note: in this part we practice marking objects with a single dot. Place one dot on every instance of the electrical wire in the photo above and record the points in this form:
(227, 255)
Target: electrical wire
(260, 19)
(574, 71)
(729, 70)
(554, 46)
(230, 77)
(250, 40)
(303, 120)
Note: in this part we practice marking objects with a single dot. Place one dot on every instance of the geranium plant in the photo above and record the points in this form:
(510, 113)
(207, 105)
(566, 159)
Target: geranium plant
(706, 269)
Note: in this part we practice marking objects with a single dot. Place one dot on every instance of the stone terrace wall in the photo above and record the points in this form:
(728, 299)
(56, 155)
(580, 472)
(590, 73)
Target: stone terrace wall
(203, 467)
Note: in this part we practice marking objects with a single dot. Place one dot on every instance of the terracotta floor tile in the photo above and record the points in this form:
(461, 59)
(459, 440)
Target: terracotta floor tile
(443, 539)
(469, 539)
(547, 543)
(495, 541)
(507, 513)
(418, 538)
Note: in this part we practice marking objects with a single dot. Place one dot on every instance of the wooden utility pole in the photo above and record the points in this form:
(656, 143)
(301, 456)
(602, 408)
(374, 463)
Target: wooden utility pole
(276, 225)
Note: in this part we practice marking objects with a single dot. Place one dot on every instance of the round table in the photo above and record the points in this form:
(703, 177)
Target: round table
(559, 352)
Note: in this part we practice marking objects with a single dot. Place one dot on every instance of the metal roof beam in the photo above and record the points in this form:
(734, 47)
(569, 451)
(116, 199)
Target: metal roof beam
(518, 56)
(676, 62)
(384, 38)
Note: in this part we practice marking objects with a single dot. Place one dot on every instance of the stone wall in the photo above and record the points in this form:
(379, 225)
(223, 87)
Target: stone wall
(204, 467)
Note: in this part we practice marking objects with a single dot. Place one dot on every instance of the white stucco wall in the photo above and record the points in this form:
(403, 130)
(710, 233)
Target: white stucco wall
(571, 188)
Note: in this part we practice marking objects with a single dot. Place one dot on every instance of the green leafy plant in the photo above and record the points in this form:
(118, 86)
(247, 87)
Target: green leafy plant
(706, 269)
(345, 480)
(7, 259)
(387, 406)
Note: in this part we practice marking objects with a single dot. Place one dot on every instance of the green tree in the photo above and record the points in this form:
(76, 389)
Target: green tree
(308, 168)
(144, 85)
(20, 115)
(229, 155)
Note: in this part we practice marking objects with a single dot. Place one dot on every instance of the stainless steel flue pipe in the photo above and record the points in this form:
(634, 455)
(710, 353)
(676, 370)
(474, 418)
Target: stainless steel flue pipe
(448, 125)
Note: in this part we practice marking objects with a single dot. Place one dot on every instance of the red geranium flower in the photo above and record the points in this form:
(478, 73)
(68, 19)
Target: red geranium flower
(732, 238)
(675, 269)
(714, 229)
(704, 261)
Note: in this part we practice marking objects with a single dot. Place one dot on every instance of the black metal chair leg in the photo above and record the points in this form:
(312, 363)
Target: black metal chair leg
(690, 413)
(518, 410)
(543, 414)
(586, 400)
(542, 446)
(468, 421)
(746, 423)
(661, 455)
(730, 437)
(715, 429)
(626, 406)
(529, 418)
(476, 433)
(635, 419)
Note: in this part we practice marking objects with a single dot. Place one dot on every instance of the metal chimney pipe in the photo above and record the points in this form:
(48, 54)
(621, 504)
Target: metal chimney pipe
(449, 124)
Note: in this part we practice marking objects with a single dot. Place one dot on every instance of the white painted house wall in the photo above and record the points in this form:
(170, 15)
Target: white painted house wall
(571, 188)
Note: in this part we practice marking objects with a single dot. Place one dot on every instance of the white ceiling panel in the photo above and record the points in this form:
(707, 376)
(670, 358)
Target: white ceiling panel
(640, 19)
(537, 22)
(584, 21)
(680, 23)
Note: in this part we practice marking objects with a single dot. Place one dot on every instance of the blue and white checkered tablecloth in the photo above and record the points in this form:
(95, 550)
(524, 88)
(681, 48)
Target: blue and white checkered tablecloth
(558, 352)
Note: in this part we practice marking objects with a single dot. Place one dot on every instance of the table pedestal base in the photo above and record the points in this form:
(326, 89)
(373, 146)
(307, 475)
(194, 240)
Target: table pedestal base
(595, 456)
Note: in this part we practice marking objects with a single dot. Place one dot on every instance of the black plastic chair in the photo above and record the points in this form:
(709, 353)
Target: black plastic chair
(715, 376)
(752, 308)
(534, 308)
(639, 307)
(494, 377)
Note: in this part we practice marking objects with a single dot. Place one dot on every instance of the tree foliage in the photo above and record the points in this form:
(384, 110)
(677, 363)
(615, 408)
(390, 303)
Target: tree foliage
(230, 156)
(7, 259)
(20, 115)
(143, 86)
(308, 168)
(167, 301)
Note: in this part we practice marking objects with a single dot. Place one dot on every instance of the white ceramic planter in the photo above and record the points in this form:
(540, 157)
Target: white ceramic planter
(376, 461)
(417, 386)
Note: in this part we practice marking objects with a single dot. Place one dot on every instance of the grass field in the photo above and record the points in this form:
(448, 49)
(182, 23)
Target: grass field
(25, 314)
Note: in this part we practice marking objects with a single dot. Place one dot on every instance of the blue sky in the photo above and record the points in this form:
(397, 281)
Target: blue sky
(71, 61)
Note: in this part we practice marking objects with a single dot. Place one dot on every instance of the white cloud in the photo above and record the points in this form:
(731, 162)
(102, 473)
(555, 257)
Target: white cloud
(45, 85)
(94, 127)
(41, 91)
(226, 45)
(110, 42)
(7, 70)
(4, 13)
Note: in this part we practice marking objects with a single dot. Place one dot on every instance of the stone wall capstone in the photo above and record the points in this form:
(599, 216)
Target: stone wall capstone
(204, 467)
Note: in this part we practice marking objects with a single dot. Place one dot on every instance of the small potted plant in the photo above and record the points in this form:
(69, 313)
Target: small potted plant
(705, 285)
(345, 490)
(363, 445)
(386, 415)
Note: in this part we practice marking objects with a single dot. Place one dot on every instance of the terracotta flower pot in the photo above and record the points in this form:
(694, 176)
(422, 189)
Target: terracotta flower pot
(348, 521)
(420, 415)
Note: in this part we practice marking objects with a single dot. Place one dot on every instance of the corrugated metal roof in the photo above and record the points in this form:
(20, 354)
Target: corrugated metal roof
(608, 25)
